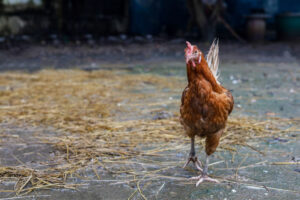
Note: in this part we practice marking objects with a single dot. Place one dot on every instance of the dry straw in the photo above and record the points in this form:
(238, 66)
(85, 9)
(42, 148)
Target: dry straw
(105, 122)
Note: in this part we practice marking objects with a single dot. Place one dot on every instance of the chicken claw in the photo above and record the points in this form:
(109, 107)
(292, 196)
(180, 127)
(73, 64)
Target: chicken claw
(203, 178)
(196, 162)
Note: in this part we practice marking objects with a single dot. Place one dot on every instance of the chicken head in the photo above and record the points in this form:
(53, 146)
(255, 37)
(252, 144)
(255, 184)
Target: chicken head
(192, 55)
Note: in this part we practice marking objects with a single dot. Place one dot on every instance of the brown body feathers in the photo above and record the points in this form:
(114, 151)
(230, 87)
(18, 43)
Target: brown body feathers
(205, 104)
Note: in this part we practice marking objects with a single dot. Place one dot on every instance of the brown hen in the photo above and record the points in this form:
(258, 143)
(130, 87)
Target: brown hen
(205, 104)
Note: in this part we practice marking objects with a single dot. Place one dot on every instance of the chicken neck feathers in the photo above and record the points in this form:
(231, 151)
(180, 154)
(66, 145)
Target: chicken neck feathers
(212, 59)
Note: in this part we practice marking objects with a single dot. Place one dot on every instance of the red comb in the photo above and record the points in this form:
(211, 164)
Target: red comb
(188, 44)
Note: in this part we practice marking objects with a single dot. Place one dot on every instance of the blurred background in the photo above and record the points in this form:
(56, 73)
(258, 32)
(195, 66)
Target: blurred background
(90, 92)
(91, 20)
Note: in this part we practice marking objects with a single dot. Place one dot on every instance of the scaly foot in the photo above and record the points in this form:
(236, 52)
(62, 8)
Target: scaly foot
(202, 178)
(196, 162)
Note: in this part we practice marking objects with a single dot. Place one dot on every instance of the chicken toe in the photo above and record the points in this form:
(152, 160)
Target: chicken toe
(196, 162)
(202, 178)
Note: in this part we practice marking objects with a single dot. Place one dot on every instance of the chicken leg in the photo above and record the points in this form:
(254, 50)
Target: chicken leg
(192, 156)
(204, 176)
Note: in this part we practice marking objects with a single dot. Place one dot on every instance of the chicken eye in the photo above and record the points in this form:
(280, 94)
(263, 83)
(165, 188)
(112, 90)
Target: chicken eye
(195, 52)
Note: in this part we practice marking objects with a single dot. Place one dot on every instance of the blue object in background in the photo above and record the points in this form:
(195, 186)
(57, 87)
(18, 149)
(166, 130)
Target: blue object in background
(238, 9)
(155, 16)
(145, 16)
(175, 16)
(289, 6)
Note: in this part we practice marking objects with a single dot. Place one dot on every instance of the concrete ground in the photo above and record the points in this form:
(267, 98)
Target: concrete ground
(265, 80)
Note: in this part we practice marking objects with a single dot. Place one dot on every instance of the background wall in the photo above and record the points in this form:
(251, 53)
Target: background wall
(136, 17)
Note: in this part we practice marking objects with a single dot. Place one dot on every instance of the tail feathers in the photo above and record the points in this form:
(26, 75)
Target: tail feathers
(212, 59)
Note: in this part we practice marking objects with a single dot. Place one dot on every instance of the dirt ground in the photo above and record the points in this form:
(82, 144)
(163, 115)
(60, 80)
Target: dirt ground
(88, 57)
(264, 78)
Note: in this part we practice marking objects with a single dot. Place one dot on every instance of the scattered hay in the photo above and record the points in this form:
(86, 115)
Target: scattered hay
(28, 180)
(105, 120)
